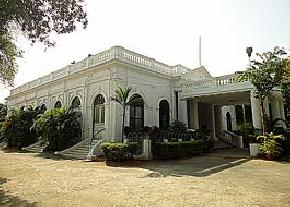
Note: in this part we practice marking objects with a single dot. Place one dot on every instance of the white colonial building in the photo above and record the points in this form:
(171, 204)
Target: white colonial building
(170, 93)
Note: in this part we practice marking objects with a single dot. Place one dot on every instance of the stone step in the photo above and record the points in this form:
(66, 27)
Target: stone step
(219, 144)
(35, 147)
(78, 152)
(74, 156)
(74, 153)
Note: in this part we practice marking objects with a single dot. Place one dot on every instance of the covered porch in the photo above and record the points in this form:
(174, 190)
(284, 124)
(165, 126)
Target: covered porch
(212, 103)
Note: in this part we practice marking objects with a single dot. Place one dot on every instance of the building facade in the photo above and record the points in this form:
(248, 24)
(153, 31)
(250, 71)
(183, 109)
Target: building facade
(169, 93)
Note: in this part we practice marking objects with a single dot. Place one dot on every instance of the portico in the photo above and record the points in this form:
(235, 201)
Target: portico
(211, 104)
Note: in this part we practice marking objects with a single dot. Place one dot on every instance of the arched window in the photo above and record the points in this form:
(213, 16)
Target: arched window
(163, 114)
(99, 109)
(43, 107)
(57, 104)
(229, 122)
(76, 103)
(137, 114)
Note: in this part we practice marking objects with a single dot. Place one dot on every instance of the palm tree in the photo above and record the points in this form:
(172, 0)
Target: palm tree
(122, 97)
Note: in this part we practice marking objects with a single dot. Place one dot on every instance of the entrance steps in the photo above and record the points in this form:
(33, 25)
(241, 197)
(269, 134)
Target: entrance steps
(37, 147)
(220, 144)
(79, 151)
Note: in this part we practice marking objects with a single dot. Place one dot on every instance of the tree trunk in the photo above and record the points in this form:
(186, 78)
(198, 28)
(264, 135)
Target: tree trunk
(262, 114)
(123, 123)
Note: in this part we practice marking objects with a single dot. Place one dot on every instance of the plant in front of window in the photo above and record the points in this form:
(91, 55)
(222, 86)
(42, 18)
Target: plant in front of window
(265, 74)
(122, 97)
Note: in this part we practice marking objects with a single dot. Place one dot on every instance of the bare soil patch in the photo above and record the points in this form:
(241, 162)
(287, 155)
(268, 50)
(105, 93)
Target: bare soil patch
(27, 179)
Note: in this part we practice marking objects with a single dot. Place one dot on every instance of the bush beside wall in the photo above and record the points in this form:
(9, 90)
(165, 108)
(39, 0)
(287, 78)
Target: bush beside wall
(175, 150)
(119, 151)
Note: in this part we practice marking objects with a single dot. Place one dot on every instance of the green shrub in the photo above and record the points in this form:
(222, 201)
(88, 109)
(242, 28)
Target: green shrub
(118, 151)
(270, 147)
(175, 150)
(60, 128)
(15, 131)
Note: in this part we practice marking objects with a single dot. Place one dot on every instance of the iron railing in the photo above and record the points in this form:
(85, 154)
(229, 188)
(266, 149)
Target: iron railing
(163, 135)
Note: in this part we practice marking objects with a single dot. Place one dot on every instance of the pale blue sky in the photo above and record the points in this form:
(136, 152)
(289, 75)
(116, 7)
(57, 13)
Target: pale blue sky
(168, 30)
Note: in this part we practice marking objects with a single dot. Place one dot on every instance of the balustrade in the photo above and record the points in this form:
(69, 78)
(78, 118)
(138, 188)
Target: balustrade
(215, 84)
(116, 52)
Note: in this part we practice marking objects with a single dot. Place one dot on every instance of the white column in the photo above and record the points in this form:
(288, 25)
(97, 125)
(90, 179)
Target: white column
(256, 111)
(276, 108)
(282, 112)
(84, 111)
(183, 112)
(219, 121)
(195, 115)
(233, 117)
(266, 107)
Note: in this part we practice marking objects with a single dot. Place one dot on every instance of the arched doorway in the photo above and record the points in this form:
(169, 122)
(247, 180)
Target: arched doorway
(229, 122)
(99, 110)
(137, 114)
(57, 104)
(76, 104)
(164, 114)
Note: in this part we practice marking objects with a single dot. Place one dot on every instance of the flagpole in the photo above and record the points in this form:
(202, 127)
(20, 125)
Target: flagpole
(200, 51)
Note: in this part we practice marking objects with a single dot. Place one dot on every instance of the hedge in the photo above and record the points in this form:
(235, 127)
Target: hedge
(119, 151)
(175, 150)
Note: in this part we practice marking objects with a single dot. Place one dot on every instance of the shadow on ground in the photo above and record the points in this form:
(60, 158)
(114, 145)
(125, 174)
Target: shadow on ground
(13, 150)
(51, 156)
(9, 200)
(198, 166)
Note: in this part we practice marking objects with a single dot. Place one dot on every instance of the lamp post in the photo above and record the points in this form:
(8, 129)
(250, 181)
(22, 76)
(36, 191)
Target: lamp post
(249, 51)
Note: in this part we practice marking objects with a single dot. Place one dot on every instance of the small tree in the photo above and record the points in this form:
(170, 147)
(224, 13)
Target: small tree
(122, 97)
(265, 74)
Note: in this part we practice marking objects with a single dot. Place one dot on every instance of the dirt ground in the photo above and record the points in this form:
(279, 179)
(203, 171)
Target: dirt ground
(27, 179)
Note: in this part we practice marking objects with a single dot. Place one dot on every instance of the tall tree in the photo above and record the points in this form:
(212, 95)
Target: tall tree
(36, 20)
(122, 97)
(265, 74)
(286, 91)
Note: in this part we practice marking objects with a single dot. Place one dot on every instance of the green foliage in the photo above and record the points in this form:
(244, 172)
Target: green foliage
(178, 126)
(8, 54)
(3, 112)
(175, 150)
(119, 151)
(60, 128)
(286, 95)
(36, 20)
(270, 147)
(266, 73)
(122, 98)
(15, 131)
